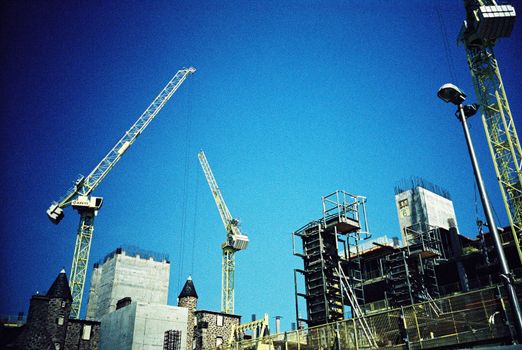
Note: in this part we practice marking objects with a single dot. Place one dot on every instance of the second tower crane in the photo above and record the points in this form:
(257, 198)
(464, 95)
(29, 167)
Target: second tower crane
(234, 241)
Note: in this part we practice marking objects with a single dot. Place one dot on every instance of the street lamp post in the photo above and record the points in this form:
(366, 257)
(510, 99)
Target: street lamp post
(451, 93)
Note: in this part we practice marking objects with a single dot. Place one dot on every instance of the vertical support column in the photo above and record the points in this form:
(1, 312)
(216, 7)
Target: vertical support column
(81, 259)
(500, 131)
(227, 280)
(404, 329)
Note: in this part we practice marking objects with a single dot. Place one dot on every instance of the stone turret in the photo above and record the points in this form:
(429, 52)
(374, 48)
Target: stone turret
(47, 318)
(60, 301)
(188, 298)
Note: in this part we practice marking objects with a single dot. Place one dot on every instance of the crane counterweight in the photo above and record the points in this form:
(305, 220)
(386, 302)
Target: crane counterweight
(55, 213)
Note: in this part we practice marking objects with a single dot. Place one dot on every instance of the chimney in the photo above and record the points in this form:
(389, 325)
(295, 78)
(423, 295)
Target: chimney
(278, 324)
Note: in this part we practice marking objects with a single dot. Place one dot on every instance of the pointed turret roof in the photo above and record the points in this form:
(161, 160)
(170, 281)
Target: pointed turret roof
(188, 289)
(60, 287)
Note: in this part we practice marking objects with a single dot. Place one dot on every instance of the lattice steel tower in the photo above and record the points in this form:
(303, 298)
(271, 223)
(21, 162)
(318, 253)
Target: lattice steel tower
(486, 21)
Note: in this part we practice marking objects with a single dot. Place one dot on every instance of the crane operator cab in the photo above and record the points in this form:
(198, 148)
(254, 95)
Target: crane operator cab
(82, 203)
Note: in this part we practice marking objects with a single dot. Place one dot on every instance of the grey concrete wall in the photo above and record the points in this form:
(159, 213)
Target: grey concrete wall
(144, 280)
(153, 320)
(92, 304)
(117, 329)
(142, 326)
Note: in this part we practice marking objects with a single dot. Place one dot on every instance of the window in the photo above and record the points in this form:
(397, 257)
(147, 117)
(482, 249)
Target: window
(59, 321)
(219, 320)
(63, 304)
(219, 341)
(172, 340)
(86, 332)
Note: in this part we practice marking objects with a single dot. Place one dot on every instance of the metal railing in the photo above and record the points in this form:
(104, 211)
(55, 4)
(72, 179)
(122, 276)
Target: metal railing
(477, 317)
(13, 320)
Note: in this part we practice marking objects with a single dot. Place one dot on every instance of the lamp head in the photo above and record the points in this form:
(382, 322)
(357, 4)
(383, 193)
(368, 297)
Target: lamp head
(450, 93)
(470, 110)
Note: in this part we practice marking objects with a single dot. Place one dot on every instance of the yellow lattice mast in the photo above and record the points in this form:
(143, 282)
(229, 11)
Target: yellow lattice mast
(486, 21)
(234, 241)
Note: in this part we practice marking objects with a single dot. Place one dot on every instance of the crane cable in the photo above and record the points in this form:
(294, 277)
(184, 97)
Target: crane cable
(194, 223)
(184, 196)
(492, 208)
(447, 51)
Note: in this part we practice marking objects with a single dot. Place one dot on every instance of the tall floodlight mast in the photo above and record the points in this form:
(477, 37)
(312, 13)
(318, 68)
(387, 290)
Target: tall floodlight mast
(486, 21)
(234, 241)
(79, 196)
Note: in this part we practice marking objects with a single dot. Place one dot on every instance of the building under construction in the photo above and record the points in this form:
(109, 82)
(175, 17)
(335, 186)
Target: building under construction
(434, 289)
(331, 259)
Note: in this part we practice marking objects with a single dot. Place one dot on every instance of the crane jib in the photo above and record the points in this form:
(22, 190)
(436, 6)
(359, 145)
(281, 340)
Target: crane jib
(90, 182)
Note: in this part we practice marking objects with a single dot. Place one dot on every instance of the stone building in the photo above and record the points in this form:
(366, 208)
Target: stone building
(213, 328)
(48, 324)
(205, 329)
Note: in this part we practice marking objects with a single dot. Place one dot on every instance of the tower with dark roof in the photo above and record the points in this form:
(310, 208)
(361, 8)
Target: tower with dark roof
(60, 287)
(59, 308)
(48, 316)
(188, 298)
(48, 325)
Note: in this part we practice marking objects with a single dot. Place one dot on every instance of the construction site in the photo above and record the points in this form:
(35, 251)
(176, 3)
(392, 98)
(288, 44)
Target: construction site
(430, 282)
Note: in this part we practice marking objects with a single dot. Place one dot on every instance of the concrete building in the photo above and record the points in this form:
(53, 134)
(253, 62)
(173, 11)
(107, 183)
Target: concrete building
(129, 292)
(140, 326)
(422, 206)
(128, 272)
(48, 324)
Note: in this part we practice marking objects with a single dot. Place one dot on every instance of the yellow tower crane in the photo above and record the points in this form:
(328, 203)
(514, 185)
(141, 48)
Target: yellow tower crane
(485, 23)
(79, 196)
(234, 241)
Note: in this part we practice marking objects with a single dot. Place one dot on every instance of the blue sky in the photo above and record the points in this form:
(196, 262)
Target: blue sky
(292, 100)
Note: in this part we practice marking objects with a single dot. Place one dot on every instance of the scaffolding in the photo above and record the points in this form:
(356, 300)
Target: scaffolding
(411, 276)
(329, 245)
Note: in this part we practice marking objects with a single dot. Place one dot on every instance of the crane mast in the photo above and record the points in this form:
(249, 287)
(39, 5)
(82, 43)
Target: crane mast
(486, 21)
(79, 195)
(234, 241)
